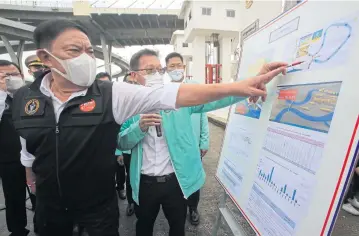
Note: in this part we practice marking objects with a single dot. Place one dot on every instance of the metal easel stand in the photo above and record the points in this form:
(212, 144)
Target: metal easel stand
(224, 212)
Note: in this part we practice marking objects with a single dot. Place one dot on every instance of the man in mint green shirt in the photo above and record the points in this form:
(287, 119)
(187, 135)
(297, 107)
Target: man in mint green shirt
(175, 69)
(165, 166)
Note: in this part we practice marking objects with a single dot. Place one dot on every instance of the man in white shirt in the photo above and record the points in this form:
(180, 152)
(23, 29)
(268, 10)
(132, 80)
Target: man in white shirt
(68, 123)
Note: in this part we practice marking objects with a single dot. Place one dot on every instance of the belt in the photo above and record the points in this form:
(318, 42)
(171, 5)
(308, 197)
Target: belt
(157, 179)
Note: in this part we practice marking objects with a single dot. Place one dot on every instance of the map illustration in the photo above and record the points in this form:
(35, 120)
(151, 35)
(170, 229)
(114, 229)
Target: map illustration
(325, 46)
(249, 109)
(252, 68)
(309, 106)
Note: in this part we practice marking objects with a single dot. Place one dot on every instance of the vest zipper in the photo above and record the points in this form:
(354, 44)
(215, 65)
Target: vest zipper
(57, 131)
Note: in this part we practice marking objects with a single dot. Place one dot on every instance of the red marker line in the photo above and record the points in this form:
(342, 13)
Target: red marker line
(295, 63)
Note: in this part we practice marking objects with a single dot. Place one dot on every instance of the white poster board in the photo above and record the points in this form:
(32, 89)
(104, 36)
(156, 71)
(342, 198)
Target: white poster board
(286, 162)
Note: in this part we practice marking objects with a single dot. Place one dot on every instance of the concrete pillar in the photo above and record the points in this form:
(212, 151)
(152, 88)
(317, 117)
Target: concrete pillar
(106, 54)
(198, 59)
(225, 59)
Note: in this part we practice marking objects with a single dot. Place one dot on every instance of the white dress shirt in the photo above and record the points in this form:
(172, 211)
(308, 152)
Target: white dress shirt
(156, 157)
(127, 100)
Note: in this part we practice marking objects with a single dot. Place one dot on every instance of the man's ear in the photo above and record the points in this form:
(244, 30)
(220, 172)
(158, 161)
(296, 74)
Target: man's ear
(44, 57)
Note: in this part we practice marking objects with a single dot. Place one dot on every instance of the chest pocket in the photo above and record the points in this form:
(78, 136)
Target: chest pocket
(88, 113)
(32, 114)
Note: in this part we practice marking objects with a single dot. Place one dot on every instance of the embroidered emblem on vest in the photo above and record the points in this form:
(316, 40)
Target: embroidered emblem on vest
(32, 107)
(88, 106)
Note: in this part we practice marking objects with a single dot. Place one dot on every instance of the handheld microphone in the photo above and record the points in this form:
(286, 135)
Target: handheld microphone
(158, 130)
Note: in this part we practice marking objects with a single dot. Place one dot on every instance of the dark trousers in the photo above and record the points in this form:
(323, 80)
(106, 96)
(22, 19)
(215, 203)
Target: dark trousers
(14, 187)
(353, 188)
(154, 193)
(100, 220)
(121, 177)
(193, 200)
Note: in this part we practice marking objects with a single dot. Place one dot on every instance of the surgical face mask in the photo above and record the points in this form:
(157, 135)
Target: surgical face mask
(13, 83)
(80, 70)
(38, 73)
(176, 75)
(155, 79)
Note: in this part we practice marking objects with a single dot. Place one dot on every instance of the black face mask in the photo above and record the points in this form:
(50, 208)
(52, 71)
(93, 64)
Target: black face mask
(38, 73)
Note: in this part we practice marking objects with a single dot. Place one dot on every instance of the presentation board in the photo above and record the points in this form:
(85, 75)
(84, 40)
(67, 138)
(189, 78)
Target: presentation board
(286, 162)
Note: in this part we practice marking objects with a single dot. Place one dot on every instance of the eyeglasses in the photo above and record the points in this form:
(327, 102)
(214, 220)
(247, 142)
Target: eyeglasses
(152, 71)
(4, 75)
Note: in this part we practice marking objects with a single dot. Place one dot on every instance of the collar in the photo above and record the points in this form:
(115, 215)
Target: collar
(45, 88)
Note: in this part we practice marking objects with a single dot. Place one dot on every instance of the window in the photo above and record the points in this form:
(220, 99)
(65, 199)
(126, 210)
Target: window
(185, 45)
(231, 13)
(206, 11)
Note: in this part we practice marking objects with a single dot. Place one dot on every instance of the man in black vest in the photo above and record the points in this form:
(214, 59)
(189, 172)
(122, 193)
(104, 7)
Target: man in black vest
(12, 172)
(69, 121)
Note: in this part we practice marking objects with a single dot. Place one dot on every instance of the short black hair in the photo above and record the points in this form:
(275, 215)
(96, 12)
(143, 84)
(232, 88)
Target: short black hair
(9, 63)
(48, 31)
(135, 59)
(172, 55)
(103, 74)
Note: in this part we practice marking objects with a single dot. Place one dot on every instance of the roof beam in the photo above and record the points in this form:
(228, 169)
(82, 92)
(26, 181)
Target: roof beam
(133, 25)
(140, 33)
(16, 29)
(122, 22)
(139, 20)
(158, 22)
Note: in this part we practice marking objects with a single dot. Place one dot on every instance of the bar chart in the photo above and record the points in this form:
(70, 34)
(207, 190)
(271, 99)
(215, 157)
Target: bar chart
(285, 191)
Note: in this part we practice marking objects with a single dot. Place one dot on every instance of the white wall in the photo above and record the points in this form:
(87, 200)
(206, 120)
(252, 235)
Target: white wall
(218, 19)
(198, 59)
(262, 10)
(225, 59)
(178, 46)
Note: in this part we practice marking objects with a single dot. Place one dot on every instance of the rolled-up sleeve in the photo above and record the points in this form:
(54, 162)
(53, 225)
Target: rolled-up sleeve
(26, 158)
(129, 100)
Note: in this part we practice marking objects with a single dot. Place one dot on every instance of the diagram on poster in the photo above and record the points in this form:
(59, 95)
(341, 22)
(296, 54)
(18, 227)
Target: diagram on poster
(291, 156)
(325, 47)
(308, 106)
(238, 153)
(245, 107)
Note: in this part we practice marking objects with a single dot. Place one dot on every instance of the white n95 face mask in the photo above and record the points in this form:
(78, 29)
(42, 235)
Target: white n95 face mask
(176, 75)
(155, 79)
(13, 83)
(80, 70)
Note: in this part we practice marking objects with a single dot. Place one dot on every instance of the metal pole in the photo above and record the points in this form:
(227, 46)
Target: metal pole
(222, 204)
(105, 53)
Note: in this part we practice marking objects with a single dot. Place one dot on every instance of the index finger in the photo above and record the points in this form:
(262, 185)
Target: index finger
(275, 65)
(266, 78)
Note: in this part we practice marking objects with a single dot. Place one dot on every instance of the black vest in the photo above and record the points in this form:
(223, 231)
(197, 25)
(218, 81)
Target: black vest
(75, 160)
(10, 146)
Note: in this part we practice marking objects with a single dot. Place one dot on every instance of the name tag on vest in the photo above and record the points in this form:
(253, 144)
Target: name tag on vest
(90, 106)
